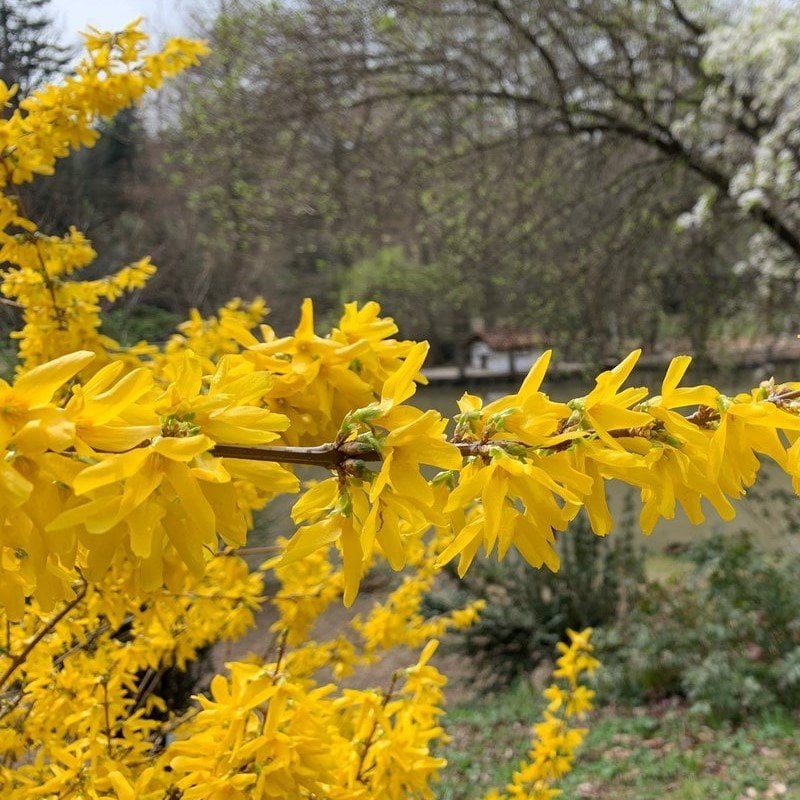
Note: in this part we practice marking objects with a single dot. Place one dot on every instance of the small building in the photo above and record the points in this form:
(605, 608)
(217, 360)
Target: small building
(503, 351)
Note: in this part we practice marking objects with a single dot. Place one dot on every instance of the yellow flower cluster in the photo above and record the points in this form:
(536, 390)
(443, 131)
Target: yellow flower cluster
(79, 711)
(310, 585)
(555, 739)
(391, 506)
(217, 335)
(533, 463)
(271, 729)
(118, 469)
(398, 620)
(62, 315)
(318, 380)
(263, 734)
(83, 716)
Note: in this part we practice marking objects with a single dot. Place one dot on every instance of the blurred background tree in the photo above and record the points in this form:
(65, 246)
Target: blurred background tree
(30, 53)
(605, 172)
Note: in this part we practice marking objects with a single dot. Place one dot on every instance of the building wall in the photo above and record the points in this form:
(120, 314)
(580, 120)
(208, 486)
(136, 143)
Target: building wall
(482, 357)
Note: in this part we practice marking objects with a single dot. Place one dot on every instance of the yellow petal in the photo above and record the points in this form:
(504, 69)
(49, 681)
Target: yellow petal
(104, 508)
(103, 378)
(140, 486)
(533, 380)
(595, 502)
(611, 417)
(608, 383)
(193, 502)
(316, 500)
(183, 448)
(305, 328)
(14, 488)
(493, 498)
(309, 539)
(399, 386)
(468, 534)
(117, 438)
(469, 402)
(113, 469)
(38, 385)
(245, 425)
(275, 478)
(352, 558)
(121, 786)
(675, 372)
(143, 524)
(12, 595)
(104, 407)
(535, 545)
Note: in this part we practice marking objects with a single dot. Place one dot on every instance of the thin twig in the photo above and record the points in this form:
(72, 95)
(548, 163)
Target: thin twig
(147, 687)
(252, 551)
(281, 652)
(48, 282)
(107, 716)
(369, 740)
(19, 659)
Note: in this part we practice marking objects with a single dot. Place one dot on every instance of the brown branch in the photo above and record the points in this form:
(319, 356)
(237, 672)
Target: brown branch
(694, 27)
(48, 282)
(337, 456)
(90, 640)
(281, 652)
(387, 696)
(794, 394)
(252, 551)
(147, 687)
(19, 659)
(329, 456)
(11, 704)
(346, 457)
(107, 716)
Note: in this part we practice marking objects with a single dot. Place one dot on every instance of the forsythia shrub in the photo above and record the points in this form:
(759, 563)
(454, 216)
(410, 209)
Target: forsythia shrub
(130, 476)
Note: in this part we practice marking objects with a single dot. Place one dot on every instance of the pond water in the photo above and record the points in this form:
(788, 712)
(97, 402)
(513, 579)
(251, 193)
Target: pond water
(770, 512)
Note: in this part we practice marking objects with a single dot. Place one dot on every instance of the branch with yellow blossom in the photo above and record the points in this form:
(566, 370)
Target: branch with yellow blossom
(555, 739)
(18, 659)
(335, 455)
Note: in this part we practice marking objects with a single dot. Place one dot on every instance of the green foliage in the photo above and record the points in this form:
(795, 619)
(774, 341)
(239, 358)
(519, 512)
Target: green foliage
(629, 754)
(482, 734)
(726, 638)
(527, 611)
(418, 294)
(139, 323)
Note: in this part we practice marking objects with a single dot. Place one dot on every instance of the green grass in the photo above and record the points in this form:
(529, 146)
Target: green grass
(630, 754)
(487, 740)
(661, 567)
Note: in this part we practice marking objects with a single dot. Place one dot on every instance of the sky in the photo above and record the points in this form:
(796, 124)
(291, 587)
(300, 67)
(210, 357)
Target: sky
(162, 16)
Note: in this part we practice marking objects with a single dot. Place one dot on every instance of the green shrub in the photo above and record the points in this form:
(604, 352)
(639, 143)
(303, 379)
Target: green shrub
(129, 325)
(726, 637)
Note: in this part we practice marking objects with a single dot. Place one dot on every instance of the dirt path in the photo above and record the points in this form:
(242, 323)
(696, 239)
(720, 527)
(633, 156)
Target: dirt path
(260, 642)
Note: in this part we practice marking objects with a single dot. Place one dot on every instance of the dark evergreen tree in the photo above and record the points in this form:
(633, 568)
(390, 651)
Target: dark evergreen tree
(30, 53)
